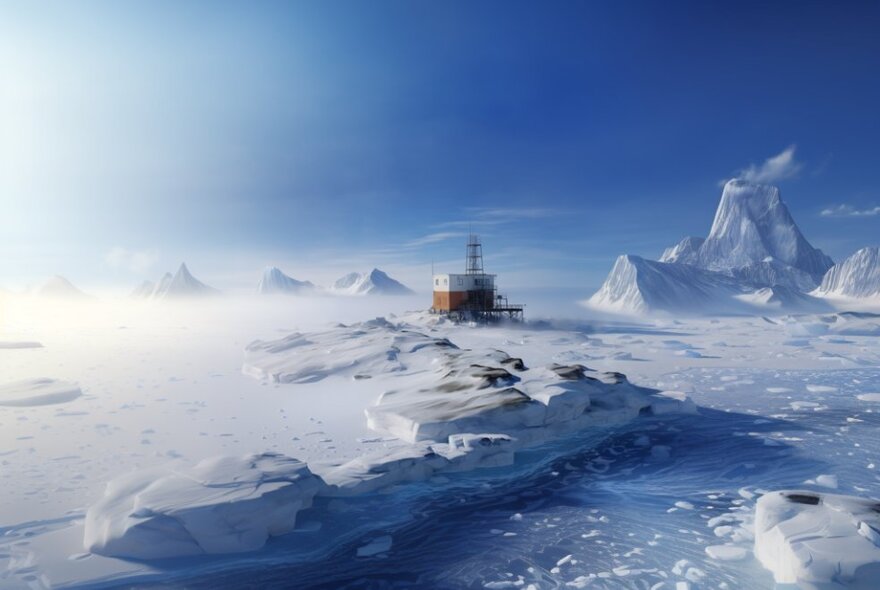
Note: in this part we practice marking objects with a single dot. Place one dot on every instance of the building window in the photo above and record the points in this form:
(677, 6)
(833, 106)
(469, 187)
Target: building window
(436, 282)
(460, 281)
(445, 281)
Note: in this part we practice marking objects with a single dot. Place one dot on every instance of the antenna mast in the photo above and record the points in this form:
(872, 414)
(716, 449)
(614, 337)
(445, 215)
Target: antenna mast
(474, 263)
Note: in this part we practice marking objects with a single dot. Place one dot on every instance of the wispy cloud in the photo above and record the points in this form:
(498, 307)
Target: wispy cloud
(136, 261)
(775, 168)
(849, 211)
(434, 238)
(493, 216)
(511, 213)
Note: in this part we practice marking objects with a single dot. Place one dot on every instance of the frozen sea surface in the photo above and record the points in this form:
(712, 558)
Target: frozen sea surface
(666, 502)
(620, 514)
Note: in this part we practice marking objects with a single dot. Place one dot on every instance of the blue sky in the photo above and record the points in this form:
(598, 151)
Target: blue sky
(330, 136)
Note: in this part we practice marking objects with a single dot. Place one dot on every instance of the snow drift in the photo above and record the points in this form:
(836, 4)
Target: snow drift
(38, 392)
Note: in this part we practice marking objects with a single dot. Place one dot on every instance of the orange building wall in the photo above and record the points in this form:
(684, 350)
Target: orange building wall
(449, 300)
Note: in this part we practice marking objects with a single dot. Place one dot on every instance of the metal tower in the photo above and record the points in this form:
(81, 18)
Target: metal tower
(474, 264)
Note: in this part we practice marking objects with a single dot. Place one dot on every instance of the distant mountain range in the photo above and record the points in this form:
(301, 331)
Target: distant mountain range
(375, 282)
(755, 257)
(181, 284)
(58, 287)
(272, 282)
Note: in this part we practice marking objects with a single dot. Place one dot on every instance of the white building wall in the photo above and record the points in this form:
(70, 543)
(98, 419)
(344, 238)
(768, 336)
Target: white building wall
(460, 282)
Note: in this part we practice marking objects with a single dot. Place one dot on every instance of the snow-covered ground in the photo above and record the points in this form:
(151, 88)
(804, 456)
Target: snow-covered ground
(150, 393)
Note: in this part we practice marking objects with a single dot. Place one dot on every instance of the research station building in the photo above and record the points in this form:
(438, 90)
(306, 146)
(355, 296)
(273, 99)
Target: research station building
(472, 295)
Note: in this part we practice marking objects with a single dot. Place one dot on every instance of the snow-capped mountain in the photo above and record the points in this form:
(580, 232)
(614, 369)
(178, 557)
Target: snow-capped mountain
(857, 276)
(636, 285)
(162, 285)
(180, 284)
(754, 256)
(274, 281)
(375, 282)
(753, 229)
(185, 285)
(145, 289)
(686, 251)
(60, 288)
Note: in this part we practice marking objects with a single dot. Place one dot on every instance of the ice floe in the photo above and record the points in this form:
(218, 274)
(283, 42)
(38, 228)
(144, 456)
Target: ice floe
(457, 409)
(221, 505)
(818, 540)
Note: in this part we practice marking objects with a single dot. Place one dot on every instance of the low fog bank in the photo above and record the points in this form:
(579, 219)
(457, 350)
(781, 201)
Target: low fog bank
(248, 315)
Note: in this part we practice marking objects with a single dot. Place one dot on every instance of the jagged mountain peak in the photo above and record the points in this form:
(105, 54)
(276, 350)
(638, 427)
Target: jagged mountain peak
(685, 252)
(181, 284)
(857, 276)
(275, 281)
(753, 226)
(755, 254)
(375, 282)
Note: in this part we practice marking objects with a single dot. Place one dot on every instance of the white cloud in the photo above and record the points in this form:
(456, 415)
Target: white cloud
(136, 261)
(511, 213)
(779, 167)
(434, 238)
(492, 216)
(849, 211)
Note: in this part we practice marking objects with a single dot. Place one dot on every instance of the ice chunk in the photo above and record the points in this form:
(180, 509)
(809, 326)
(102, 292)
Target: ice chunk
(426, 416)
(376, 546)
(418, 462)
(38, 392)
(221, 505)
(818, 540)
(726, 552)
(821, 389)
(827, 480)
